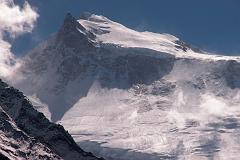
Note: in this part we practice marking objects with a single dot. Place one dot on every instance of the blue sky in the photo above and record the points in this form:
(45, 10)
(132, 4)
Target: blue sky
(213, 25)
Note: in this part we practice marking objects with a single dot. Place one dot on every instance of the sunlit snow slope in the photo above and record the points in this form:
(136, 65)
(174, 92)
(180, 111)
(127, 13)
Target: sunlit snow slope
(131, 95)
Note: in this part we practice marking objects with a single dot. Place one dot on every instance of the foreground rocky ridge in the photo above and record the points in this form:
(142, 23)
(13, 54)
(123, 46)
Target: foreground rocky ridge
(27, 134)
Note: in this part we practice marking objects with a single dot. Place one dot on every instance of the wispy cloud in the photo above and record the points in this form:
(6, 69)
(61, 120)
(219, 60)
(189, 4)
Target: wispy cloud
(15, 20)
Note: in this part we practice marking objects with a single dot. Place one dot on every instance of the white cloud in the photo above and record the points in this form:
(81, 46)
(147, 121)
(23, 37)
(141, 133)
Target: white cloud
(14, 20)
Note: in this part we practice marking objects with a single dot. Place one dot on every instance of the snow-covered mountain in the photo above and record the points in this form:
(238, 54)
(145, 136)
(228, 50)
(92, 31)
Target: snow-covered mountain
(26, 134)
(131, 95)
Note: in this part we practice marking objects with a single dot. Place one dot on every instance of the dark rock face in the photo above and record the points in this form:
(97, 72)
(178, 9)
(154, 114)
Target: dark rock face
(2, 157)
(116, 68)
(28, 127)
(185, 46)
(233, 74)
(73, 35)
(146, 70)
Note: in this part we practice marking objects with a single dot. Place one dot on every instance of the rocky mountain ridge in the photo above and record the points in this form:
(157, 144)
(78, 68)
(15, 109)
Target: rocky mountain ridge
(27, 134)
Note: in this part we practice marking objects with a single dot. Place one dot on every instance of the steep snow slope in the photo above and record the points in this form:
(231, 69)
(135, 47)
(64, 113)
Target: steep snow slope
(111, 32)
(131, 95)
(27, 134)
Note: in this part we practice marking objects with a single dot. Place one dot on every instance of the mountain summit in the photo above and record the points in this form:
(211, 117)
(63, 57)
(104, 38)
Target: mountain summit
(132, 95)
(73, 35)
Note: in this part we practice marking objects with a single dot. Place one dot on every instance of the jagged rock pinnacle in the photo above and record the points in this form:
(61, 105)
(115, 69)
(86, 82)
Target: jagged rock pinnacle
(70, 23)
(69, 18)
(73, 35)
